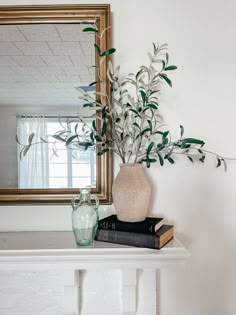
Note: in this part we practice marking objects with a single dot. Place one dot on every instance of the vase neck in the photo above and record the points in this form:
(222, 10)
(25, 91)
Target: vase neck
(85, 195)
(131, 165)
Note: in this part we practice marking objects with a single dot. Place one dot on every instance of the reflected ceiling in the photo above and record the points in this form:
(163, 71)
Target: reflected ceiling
(41, 64)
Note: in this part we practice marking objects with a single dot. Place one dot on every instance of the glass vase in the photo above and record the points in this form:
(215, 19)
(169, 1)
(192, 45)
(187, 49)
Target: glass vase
(84, 217)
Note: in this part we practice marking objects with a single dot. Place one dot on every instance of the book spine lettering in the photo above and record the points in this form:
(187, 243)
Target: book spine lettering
(127, 238)
(107, 225)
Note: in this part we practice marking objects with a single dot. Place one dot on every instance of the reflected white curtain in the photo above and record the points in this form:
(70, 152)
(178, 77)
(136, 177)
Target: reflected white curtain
(33, 167)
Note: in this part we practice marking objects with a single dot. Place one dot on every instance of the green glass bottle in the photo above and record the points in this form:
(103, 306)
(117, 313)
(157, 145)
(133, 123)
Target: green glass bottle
(84, 217)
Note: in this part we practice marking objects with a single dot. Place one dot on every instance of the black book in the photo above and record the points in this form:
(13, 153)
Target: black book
(150, 225)
(156, 241)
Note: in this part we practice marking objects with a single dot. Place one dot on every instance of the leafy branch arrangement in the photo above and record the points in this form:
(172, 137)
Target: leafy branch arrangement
(129, 122)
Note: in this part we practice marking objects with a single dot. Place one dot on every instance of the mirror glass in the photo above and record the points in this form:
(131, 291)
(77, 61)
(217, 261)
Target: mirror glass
(43, 60)
(40, 67)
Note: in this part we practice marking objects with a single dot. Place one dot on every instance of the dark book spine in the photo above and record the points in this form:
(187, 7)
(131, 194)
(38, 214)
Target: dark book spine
(128, 238)
(118, 226)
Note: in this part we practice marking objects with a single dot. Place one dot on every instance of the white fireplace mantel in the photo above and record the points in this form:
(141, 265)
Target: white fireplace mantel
(57, 250)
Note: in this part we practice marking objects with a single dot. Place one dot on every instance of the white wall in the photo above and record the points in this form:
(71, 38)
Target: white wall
(198, 199)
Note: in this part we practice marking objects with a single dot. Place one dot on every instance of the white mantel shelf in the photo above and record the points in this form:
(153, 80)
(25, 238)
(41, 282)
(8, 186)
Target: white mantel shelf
(34, 251)
(44, 250)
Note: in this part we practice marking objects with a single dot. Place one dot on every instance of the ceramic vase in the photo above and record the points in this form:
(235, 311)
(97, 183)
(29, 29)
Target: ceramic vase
(131, 193)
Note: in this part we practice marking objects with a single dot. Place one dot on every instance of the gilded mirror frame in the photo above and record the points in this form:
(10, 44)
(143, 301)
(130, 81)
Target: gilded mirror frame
(63, 14)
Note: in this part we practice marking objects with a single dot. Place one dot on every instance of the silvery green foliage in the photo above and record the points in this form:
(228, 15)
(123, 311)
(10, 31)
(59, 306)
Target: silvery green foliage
(137, 133)
(128, 120)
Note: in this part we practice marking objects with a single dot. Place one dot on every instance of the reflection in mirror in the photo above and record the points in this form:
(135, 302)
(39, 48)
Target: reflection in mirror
(49, 163)
(40, 67)
(41, 64)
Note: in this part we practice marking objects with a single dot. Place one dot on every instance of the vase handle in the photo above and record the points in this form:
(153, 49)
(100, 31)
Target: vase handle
(93, 197)
(75, 201)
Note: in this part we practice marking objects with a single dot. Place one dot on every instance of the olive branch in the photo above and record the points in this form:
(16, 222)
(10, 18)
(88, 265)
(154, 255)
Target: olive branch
(129, 122)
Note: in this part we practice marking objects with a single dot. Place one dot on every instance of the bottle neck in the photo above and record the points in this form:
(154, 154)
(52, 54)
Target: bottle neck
(85, 195)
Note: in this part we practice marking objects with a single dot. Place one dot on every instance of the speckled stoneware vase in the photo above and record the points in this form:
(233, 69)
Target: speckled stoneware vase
(131, 192)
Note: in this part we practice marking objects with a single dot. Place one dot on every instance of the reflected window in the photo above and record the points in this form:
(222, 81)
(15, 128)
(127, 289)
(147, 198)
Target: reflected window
(51, 164)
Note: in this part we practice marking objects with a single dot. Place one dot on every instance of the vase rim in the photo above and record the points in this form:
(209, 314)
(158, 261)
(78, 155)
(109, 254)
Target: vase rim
(131, 165)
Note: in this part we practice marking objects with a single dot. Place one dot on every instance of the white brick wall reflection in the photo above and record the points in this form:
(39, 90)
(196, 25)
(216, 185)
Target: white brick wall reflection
(41, 293)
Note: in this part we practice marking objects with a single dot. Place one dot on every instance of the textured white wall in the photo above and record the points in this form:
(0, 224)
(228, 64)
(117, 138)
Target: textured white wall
(198, 199)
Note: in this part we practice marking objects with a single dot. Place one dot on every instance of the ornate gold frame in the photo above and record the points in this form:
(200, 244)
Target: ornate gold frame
(62, 14)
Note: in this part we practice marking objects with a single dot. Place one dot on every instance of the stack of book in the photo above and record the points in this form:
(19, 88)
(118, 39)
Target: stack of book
(150, 233)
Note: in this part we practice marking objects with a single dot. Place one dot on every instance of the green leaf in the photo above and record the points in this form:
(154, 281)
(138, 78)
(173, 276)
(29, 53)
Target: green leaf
(90, 29)
(167, 57)
(59, 138)
(97, 49)
(134, 111)
(202, 159)
(85, 145)
(144, 96)
(26, 149)
(104, 113)
(91, 136)
(150, 147)
(148, 163)
(138, 73)
(152, 92)
(165, 137)
(88, 105)
(70, 139)
(104, 128)
(102, 151)
(153, 160)
(21, 153)
(94, 125)
(170, 68)
(151, 105)
(161, 160)
(160, 146)
(219, 162)
(108, 52)
(168, 81)
(185, 145)
(168, 158)
(93, 83)
(86, 22)
(144, 131)
(98, 138)
(163, 65)
(165, 134)
(145, 109)
(31, 137)
(43, 140)
(150, 124)
(181, 131)
(136, 125)
(193, 141)
(76, 127)
(190, 158)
